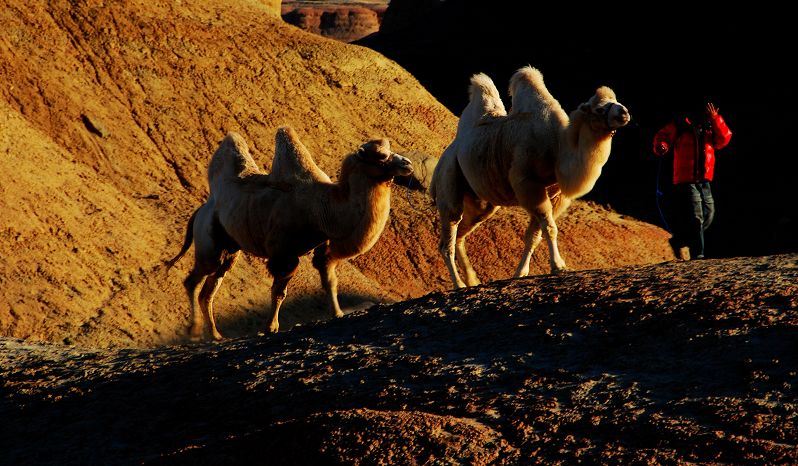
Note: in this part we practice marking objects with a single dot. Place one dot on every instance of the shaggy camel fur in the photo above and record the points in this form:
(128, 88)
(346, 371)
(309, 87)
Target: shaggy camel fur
(284, 215)
(536, 156)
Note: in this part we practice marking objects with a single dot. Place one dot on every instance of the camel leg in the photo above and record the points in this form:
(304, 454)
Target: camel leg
(549, 228)
(209, 289)
(279, 292)
(464, 262)
(474, 213)
(543, 207)
(560, 204)
(446, 246)
(282, 269)
(211, 262)
(450, 187)
(532, 239)
(191, 283)
(206, 259)
(329, 278)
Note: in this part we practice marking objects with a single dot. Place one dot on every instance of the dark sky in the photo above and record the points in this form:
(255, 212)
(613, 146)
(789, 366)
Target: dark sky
(657, 64)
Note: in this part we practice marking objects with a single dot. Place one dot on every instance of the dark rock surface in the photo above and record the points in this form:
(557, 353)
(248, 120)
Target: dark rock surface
(675, 363)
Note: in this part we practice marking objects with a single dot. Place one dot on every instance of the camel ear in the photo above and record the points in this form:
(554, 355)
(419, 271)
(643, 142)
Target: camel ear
(584, 107)
(376, 146)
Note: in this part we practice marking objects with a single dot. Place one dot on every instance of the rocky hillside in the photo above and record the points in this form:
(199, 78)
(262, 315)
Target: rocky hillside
(109, 114)
(344, 22)
(675, 363)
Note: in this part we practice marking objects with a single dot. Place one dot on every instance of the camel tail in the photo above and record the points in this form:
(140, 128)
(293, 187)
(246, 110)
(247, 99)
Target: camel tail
(186, 242)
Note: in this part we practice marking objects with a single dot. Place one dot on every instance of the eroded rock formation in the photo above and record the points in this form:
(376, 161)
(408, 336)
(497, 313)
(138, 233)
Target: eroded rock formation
(341, 22)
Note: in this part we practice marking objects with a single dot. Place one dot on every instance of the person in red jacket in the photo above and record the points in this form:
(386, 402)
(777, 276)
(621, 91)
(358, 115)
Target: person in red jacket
(693, 138)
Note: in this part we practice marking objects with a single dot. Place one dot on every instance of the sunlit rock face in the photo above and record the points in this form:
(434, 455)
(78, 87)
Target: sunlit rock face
(344, 22)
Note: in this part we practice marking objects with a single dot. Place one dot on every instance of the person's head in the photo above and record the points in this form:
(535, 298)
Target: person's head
(697, 111)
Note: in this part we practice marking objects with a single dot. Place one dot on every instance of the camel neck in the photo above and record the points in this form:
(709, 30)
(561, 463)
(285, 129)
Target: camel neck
(357, 215)
(582, 156)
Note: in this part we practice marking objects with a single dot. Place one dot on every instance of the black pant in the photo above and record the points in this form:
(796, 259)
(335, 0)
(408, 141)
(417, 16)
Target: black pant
(693, 211)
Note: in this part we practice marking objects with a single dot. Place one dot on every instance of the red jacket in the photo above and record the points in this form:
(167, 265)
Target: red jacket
(692, 162)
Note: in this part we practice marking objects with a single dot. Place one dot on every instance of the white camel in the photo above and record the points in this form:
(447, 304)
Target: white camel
(536, 156)
(284, 215)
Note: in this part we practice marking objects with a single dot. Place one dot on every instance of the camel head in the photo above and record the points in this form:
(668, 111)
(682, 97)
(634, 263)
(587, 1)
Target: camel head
(376, 160)
(604, 112)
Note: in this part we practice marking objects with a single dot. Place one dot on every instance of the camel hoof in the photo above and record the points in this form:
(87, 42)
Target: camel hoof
(194, 335)
(338, 314)
(217, 336)
(274, 328)
(459, 285)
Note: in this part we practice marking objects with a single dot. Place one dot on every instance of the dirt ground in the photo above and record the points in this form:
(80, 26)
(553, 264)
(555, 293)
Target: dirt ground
(673, 363)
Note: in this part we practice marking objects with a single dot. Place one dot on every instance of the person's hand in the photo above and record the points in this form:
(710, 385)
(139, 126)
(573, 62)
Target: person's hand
(662, 148)
(711, 109)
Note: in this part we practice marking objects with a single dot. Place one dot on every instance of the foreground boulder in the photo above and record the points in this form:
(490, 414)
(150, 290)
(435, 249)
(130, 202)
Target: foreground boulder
(681, 362)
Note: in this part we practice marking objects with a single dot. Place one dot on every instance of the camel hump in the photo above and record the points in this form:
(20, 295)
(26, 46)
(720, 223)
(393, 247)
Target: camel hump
(530, 95)
(292, 160)
(605, 93)
(483, 99)
(486, 94)
(232, 158)
(237, 141)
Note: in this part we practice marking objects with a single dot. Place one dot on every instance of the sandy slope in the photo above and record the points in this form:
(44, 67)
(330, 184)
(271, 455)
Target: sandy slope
(108, 115)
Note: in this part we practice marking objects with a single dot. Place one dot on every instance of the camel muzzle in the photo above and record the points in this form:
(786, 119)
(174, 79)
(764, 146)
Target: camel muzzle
(402, 165)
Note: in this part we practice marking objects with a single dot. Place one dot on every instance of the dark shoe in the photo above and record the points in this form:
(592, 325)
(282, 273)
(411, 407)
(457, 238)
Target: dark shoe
(695, 253)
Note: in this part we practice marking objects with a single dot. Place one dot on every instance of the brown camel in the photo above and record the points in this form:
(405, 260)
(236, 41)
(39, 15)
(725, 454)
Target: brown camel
(536, 156)
(285, 215)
